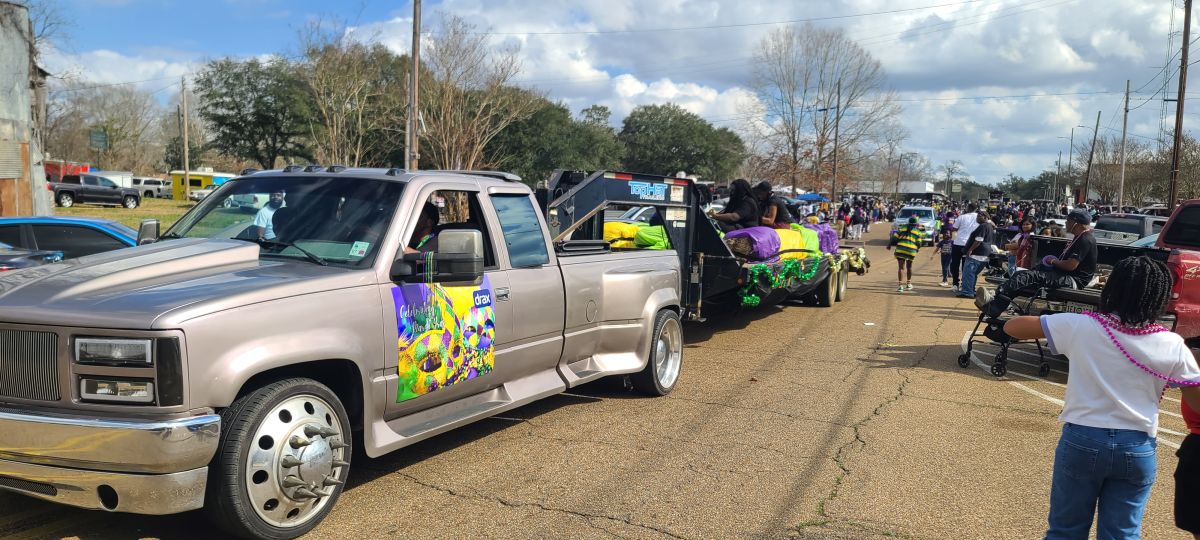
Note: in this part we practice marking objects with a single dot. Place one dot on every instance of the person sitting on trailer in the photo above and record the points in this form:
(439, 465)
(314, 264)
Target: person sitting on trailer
(1073, 269)
(774, 209)
(742, 210)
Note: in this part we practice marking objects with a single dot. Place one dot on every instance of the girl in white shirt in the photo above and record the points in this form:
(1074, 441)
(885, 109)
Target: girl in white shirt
(1120, 362)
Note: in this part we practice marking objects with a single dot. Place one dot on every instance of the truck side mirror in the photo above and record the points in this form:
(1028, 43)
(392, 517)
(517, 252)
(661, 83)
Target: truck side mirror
(147, 232)
(458, 258)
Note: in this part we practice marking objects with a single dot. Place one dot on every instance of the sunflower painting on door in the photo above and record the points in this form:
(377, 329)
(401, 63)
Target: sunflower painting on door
(446, 336)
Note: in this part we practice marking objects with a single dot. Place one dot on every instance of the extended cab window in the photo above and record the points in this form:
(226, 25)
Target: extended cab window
(523, 233)
(11, 235)
(1185, 230)
(91, 181)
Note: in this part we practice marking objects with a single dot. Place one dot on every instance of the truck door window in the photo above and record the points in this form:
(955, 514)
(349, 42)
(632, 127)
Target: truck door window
(1185, 230)
(11, 235)
(106, 182)
(74, 241)
(460, 210)
(91, 181)
(522, 232)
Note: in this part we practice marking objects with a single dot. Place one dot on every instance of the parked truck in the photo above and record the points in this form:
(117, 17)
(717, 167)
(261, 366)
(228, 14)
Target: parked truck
(234, 363)
(89, 188)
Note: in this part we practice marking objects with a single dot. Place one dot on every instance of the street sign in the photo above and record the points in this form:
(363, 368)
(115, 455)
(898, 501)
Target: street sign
(98, 140)
(956, 187)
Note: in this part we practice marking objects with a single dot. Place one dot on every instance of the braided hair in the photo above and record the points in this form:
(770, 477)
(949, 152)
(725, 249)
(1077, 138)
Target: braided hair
(1137, 290)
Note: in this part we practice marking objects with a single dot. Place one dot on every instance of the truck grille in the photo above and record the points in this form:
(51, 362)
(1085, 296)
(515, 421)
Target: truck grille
(29, 365)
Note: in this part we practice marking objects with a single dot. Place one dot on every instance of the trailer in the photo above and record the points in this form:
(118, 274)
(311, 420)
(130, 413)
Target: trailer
(575, 203)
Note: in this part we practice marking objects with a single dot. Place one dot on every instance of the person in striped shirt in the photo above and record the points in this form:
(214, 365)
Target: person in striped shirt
(908, 243)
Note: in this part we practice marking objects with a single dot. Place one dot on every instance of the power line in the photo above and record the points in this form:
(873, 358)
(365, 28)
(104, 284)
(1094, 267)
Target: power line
(719, 26)
(108, 85)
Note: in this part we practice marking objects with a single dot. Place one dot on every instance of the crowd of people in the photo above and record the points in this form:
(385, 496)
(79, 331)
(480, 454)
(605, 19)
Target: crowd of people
(1120, 358)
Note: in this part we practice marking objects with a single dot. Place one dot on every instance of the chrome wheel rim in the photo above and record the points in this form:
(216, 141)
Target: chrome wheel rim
(297, 461)
(65, 200)
(668, 353)
(131, 203)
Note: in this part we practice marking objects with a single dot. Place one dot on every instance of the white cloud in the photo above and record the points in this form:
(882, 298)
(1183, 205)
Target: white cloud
(993, 48)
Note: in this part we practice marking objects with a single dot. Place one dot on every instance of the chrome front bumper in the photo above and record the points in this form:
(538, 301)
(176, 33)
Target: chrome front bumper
(145, 467)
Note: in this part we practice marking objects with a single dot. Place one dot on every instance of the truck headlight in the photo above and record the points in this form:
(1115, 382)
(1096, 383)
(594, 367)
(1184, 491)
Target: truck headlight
(116, 390)
(118, 352)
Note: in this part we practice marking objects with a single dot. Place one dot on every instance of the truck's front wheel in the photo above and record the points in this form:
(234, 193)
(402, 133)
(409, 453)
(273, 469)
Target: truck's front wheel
(666, 357)
(283, 458)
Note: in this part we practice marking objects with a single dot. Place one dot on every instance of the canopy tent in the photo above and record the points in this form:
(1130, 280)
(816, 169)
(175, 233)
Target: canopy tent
(815, 197)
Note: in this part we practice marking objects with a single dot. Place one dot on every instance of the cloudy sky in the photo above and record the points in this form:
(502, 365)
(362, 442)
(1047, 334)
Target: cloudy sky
(994, 83)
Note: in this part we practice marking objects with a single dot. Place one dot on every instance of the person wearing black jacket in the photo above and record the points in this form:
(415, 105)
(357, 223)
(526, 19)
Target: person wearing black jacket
(742, 211)
(775, 212)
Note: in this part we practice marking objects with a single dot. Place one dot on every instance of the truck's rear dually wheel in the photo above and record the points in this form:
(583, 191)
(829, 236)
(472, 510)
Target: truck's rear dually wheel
(666, 357)
(285, 454)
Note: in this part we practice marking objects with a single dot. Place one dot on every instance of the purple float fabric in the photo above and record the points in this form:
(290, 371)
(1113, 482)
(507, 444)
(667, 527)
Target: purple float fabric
(828, 236)
(765, 240)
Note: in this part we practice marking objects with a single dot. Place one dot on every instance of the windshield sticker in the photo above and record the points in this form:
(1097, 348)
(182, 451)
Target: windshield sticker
(359, 249)
(446, 336)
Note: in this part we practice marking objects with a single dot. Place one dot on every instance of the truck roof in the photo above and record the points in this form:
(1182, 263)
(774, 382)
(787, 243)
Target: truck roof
(391, 175)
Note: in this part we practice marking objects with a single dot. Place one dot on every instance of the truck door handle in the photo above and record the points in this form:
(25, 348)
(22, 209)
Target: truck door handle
(502, 293)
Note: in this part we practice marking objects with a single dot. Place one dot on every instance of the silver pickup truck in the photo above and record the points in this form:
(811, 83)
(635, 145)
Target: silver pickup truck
(234, 363)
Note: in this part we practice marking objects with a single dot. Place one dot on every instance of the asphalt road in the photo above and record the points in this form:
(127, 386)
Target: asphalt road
(792, 422)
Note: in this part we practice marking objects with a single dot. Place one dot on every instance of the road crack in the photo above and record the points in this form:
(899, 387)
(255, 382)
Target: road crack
(524, 505)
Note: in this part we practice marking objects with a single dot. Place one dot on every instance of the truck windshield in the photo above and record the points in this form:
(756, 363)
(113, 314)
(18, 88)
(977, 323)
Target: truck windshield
(341, 220)
(919, 213)
(1119, 224)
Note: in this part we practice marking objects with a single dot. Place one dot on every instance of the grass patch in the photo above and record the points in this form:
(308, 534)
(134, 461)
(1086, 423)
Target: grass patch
(166, 211)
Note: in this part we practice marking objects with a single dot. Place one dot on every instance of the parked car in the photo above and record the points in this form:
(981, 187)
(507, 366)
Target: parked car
(92, 189)
(198, 195)
(1125, 228)
(926, 218)
(73, 236)
(1160, 210)
(218, 364)
(13, 258)
(152, 188)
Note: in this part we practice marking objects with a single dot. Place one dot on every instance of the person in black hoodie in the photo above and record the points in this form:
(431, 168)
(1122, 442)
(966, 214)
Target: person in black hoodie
(742, 210)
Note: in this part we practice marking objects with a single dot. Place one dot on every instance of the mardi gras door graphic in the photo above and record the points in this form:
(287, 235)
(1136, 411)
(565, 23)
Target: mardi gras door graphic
(446, 336)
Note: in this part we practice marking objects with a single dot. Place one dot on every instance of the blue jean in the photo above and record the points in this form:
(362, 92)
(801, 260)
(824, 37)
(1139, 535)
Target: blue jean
(1112, 469)
(946, 266)
(1012, 264)
(971, 270)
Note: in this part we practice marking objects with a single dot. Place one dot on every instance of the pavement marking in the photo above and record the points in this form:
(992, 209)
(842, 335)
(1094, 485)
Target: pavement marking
(988, 369)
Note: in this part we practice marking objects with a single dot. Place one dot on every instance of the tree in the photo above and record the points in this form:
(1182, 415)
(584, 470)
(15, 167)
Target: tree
(550, 139)
(258, 110)
(664, 139)
(467, 101)
(128, 118)
(952, 171)
(359, 93)
(796, 74)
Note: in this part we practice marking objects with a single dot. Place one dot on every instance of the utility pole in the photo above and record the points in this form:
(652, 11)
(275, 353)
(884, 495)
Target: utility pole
(187, 169)
(412, 139)
(899, 169)
(837, 120)
(1087, 181)
(1173, 188)
(1124, 127)
(1070, 158)
(1057, 172)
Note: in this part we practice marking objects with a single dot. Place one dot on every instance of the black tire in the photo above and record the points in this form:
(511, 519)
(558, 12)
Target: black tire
(228, 501)
(964, 360)
(148, 195)
(826, 291)
(65, 199)
(1043, 370)
(843, 278)
(130, 202)
(654, 380)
